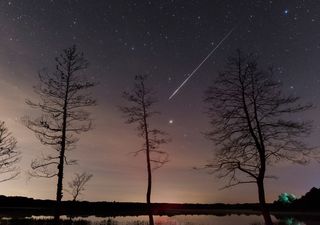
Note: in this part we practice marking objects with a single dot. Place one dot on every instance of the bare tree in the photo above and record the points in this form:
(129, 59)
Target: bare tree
(140, 111)
(63, 98)
(9, 157)
(76, 188)
(77, 185)
(252, 125)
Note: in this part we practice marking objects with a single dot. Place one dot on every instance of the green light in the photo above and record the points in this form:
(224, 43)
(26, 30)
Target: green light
(286, 198)
(290, 221)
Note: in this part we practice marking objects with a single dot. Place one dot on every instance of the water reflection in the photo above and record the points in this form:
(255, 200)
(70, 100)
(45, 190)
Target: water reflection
(290, 221)
(166, 220)
(151, 222)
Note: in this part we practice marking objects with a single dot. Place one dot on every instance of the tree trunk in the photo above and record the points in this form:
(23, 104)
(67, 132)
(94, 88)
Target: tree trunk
(149, 178)
(60, 178)
(263, 205)
(145, 125)
(149, 189)
(59, 188)
(62, 150)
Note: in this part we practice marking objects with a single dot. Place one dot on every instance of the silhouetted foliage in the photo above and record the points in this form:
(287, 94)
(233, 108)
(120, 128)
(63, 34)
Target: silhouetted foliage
(63, 97)
(9, 156)
(251, 125)
(26, 207)
(308, 202)
(77, 185)
(140, 111)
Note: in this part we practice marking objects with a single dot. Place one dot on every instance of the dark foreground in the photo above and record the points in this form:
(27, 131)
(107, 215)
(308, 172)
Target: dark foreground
(22, 207)
(25, 207)
(22, 210)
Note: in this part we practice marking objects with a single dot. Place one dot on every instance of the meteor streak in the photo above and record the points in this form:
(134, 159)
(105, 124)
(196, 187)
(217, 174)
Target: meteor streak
(203, 61)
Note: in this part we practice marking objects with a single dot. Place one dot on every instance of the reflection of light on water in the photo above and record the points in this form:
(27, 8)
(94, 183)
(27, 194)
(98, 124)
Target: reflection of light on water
(178, 220)
(50, 217)
(40, 217)
(166, 221)
(5, 218)
(291, 221)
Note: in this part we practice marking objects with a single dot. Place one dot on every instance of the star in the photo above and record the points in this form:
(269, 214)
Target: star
(286, 11)
(170, 121)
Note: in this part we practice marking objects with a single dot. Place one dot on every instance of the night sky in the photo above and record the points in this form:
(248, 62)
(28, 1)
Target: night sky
(166, 39)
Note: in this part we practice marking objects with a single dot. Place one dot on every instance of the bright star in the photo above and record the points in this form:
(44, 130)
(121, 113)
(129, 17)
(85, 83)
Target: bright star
(286, 11)
(171, 121)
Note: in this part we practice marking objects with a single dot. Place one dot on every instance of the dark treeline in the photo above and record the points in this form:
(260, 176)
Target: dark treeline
(24, 207)
(308, 202)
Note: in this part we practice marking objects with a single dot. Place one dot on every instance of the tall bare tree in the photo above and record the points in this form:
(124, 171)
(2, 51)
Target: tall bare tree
(140, 111)
(77, 185)
(253, 125)
(9, 157)
(63, 98)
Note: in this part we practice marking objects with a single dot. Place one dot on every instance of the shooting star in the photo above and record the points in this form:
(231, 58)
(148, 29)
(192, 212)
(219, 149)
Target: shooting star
(203, 61)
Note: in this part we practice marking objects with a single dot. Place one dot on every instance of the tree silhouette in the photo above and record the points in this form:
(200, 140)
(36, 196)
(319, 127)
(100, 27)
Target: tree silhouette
(63, 99)
(140, 111)
(77, 185)
(252, 125)
(9, 157)
(76, 188)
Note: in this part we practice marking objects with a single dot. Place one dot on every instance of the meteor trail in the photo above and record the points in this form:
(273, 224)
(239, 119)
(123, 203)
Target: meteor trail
(203, 61)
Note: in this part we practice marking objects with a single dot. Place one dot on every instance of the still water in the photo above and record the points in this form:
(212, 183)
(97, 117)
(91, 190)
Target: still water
(195, 220)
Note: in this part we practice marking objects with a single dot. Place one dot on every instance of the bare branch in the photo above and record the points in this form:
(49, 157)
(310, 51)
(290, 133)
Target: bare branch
(139, 111)
(9, 157)
(77, 185)
(251, 120)
(63, 98)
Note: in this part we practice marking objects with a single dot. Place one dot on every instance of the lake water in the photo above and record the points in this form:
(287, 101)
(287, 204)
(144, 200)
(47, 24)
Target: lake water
(197, 220)
(184, 220)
